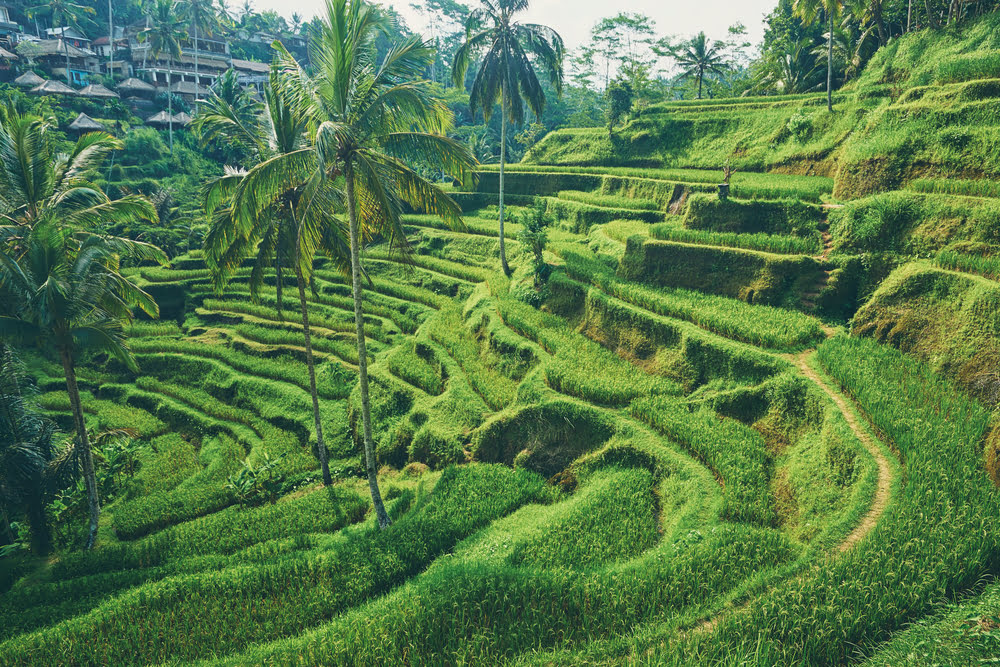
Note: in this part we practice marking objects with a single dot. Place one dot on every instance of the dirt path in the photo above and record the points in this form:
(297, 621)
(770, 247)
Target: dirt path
(884, 487)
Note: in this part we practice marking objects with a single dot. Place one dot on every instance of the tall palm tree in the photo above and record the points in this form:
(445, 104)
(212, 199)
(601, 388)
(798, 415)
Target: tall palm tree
(698, 57)
(808, 11)
(58, 271)
(280, 232)
(25, 448)
(64, 14)
(165, 34)
(70, 297)
(506, 73)
(200, 15)
(373, 118)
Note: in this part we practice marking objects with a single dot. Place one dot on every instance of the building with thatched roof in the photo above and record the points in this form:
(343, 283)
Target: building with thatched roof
(188, 90)
(85, 123)
(29, 80)
(97, 90)
(161, 118)
(136, 87)
(182, 118)
(52, 87)
(7, 55)
(51, 54)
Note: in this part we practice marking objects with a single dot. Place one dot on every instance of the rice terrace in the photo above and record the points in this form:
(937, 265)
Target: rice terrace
(327, 342)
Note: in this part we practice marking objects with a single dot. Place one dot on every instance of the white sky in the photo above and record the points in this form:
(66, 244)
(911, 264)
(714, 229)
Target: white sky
(573, 19)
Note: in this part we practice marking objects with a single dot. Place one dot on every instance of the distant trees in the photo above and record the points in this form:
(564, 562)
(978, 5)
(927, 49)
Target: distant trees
(808, 11)
(201, 16)
(619, 98)
(506, 74)
(699, 57)
(165, 33)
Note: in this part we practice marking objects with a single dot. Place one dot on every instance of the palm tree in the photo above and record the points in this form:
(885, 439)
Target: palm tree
(25, 448)
(276, 233)
(58, 273)
(200, 15)
(165, 34)
(70, 297)
(372, 119)
(506, 73)
(37, 184)
(808, 10)
(698, 57)
(64, 14)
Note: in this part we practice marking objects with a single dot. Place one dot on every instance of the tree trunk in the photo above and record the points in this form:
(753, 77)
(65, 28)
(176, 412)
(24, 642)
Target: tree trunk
(197, 79)
(320, 443)
(89, 476)
(930, 15)
(829, 67)
(279, 286)
(700, 78)
(41, 537)
(6, 532)
(909, 16)
(66, 49)
(111, 43)
(170, 102)
(366, 418)
(503, 159)
(879, 23)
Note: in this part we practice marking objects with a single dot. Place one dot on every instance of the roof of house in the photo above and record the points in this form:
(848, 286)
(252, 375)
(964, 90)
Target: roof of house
(182, 118)
(7, 55)
(97, 90)
(102, 41)
(54, 47)
(28, 80)
(188, 88)
(136, 84)
(52, 87)
(85, 123)
(250, 65)
(161, 118)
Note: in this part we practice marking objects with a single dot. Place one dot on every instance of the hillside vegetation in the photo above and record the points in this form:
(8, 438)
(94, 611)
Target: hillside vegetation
(749, 430)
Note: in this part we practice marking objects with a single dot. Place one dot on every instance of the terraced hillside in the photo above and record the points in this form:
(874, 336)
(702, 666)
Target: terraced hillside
(746, 431)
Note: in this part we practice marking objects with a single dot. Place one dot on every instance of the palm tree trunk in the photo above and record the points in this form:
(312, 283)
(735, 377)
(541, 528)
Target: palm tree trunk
(279, 286)
(366, 418)
(197, 79)
(89, 476)
(879, 23)
(170, 102)
(6, 532)
(503, 159)
(111, 43)
(909, 15)
(311, 364)
(41, 537)
(66, 49)
(700, 79)
(829, 67)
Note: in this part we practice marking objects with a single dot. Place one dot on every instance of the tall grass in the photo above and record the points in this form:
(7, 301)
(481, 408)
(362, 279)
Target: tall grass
(939, 538)
(766, 326)
(737, 454)
(775, 243)
(215, 613)
(610, 201)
